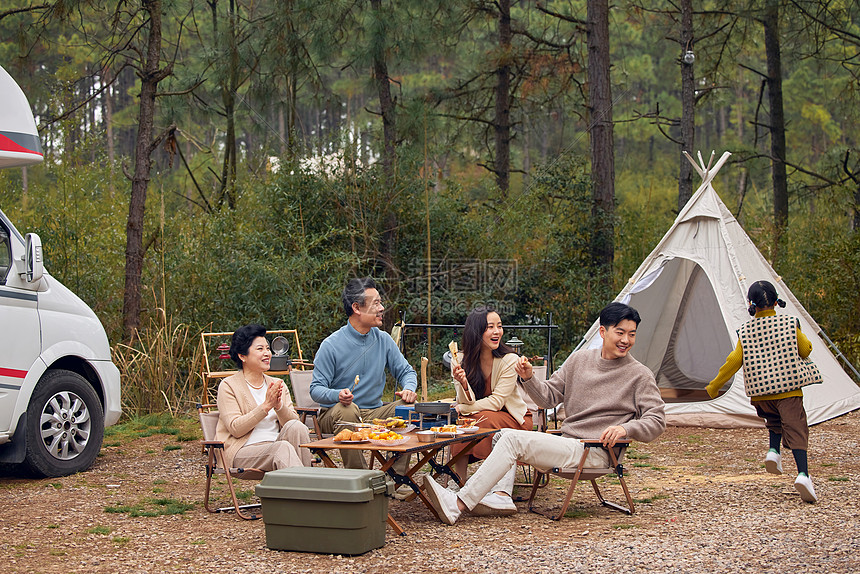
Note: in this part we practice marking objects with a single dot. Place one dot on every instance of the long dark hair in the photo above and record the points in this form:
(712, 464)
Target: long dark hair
(473, 333)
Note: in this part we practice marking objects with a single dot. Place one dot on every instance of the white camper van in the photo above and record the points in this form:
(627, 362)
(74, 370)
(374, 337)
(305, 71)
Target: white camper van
(58, 386)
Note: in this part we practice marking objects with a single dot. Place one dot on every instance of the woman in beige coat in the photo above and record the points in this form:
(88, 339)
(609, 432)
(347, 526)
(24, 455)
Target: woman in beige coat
(486, 382)
(257, 421)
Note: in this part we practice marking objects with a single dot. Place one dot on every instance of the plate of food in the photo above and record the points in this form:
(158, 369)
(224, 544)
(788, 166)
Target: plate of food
(349, 436)
(467, 424)
(446, 430)
(398, 424)
(392, 423)
(387, 438)
(389, 442)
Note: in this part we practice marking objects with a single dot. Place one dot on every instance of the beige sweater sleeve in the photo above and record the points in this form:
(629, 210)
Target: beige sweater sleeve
(236, 415)
(505, 393)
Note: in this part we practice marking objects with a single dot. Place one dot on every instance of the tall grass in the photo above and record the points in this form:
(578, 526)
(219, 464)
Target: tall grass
(159, 372)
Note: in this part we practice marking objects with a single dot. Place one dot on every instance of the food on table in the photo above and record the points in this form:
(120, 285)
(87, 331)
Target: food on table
(445, 429)
(385, 435)
(345, 434)
(466, 422)
(390, 422)
(350, 435)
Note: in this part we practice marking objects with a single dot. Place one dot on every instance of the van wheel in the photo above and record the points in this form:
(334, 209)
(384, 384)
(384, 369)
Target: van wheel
(65, 425)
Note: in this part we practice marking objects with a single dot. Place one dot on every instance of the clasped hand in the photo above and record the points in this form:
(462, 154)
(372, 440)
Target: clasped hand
(273, 396)
(344, 397)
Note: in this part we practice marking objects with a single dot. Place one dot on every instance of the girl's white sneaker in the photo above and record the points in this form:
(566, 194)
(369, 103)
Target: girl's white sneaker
(803, 485)
(773, 462)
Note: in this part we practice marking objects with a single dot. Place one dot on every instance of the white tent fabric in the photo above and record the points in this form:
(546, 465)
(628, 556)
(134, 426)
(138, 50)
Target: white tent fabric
(691, 295)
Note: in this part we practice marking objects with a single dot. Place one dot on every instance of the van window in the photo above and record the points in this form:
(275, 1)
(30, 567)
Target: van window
(5, 255)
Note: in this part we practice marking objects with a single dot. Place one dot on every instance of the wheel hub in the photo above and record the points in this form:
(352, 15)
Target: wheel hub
(65, 425)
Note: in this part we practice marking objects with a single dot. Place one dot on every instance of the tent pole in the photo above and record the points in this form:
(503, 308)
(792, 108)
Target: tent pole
(839, 354)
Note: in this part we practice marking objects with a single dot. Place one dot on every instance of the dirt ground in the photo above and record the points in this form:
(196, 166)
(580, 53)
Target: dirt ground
(704, 504)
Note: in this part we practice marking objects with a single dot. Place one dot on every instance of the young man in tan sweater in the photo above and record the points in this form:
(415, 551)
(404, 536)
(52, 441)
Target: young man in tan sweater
(606, 393)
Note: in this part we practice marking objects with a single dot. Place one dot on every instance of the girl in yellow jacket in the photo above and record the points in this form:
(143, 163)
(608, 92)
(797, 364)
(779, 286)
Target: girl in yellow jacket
(762, 353)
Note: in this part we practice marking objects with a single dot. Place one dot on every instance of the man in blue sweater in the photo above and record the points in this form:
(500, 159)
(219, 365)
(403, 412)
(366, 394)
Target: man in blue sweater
(360, 352)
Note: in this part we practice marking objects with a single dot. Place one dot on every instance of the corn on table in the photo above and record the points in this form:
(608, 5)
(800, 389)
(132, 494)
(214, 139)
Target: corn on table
(426, 454)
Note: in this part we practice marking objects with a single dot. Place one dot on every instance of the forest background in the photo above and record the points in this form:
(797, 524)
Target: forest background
(214, 163)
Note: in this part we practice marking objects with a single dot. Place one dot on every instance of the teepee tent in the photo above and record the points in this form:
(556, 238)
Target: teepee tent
(691, 295)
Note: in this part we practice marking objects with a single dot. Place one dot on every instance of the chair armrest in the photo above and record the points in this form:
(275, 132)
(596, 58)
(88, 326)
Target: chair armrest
(309, 410)
(213, 443)
(595, 442)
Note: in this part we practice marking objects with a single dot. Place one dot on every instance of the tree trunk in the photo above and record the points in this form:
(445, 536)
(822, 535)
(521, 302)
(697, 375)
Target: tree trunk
(282, 130)
(386, 103)
(291, 127)
(228, 98)
(389, 135)
(743, 179)
(502, 120)
(527, 156)
(126, 136)
(152, 75)
(688, 112)
(602, 153)
(777, 121)
(107, 98)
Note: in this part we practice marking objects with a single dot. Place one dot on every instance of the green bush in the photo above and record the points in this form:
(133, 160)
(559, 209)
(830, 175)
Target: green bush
(281, 257)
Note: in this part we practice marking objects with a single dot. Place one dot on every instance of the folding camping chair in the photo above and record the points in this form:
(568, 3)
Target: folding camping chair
(215, 465)
(304, 404)
(581, 472)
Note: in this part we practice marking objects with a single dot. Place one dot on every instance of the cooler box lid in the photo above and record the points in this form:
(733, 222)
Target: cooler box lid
(325, 484)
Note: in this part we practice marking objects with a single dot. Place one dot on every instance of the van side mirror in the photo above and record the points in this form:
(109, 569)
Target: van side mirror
(33, 262)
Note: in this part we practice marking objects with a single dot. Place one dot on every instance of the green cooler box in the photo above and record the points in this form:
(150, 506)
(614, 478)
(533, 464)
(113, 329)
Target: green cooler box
(326, 510)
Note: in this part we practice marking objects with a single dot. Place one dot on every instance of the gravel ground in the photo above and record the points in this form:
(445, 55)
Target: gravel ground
(704, 504)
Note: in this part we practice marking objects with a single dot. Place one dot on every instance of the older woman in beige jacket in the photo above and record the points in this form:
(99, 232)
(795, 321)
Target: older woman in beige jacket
(257, 421)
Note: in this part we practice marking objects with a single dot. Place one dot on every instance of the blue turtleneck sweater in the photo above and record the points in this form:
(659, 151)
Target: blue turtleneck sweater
(347, 353)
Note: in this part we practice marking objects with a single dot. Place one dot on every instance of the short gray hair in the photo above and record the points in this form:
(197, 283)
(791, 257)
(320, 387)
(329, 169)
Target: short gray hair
(354, 292)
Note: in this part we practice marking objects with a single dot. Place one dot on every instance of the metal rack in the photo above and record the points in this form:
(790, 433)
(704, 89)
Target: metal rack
(215, 346)
(548, 327)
